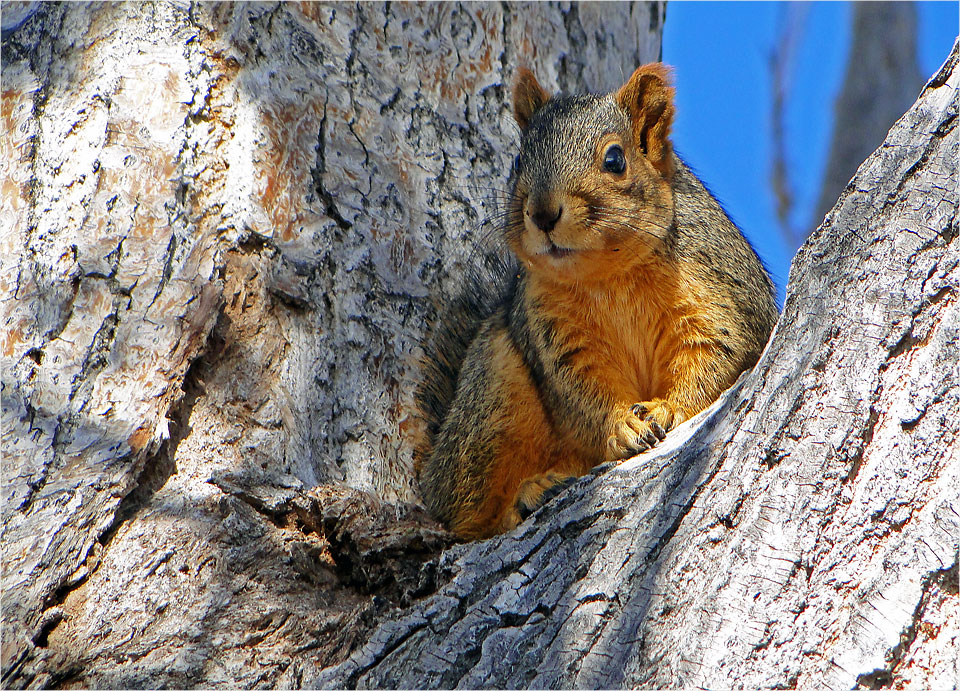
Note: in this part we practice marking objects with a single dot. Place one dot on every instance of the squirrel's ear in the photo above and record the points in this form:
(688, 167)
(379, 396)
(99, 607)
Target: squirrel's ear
(648, 98)
(528, 97)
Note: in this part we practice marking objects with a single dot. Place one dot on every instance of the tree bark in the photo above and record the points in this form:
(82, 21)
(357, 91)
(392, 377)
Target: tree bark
(225, 230)
(800, 533)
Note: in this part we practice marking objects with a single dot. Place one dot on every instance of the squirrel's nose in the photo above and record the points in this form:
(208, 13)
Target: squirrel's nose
(544, 217)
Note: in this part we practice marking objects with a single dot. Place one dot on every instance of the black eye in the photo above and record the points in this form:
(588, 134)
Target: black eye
(516, 163)
(614, 161)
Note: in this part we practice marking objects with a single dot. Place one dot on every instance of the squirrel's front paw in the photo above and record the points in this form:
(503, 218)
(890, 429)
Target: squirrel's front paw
(639, 429)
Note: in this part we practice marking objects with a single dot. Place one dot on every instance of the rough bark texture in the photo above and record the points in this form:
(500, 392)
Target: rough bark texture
(224, 231)
(801, 533)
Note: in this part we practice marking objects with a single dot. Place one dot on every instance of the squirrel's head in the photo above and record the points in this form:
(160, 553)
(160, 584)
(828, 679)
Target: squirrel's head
(592, 193)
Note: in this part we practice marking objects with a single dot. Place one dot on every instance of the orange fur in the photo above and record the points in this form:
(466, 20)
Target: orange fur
(526, 445)
(648, 97)
(623, 335)
(638, 337)
(630, 348)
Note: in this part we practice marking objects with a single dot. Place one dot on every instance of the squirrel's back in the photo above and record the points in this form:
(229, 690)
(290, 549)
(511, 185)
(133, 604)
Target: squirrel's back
(723, 257)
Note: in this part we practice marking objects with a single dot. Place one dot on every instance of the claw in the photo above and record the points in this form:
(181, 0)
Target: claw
(657, 429)
(525, 510)
(556, 489)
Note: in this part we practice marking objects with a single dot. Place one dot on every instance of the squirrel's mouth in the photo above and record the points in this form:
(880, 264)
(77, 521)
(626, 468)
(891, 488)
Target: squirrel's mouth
(558, 252)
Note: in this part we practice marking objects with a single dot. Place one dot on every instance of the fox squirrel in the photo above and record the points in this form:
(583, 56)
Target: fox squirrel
(636, 301)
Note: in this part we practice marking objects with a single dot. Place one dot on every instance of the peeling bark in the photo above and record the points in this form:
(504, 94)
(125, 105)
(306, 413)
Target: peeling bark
(225, 229)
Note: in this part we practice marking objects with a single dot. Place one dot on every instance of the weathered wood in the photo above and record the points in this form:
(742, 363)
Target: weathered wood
(801, 533)
(224, 230)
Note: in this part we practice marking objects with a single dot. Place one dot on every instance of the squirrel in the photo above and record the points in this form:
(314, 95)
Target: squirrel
(634, 301)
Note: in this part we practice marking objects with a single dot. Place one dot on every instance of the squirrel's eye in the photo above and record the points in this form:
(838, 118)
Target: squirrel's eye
(614, 161)
(516, 163)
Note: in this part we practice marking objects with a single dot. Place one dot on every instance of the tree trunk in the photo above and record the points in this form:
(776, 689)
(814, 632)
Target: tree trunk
(225, 229)
(884, 37)
(800, 533)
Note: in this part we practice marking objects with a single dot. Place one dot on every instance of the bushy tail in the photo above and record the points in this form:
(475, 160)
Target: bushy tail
(485, 291)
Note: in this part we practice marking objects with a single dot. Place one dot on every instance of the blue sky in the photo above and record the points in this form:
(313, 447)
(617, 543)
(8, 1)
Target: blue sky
(719, 51)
